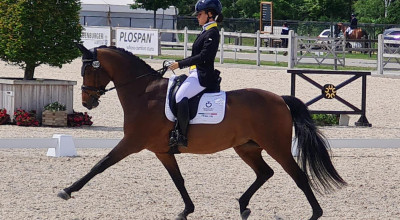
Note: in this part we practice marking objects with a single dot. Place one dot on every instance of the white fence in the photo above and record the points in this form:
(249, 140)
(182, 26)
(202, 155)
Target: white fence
(320, 51)
(299, 50)
(388, 52)
(258, 38)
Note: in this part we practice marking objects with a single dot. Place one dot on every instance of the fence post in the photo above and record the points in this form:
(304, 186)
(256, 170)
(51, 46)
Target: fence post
(258, 48)
(185, 42)
(335, 58)
(381, 46)
(221, 50)
(344, 51)
(292, 49)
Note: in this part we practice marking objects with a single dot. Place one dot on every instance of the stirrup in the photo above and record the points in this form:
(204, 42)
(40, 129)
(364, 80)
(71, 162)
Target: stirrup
(173, 138)
(176, 139)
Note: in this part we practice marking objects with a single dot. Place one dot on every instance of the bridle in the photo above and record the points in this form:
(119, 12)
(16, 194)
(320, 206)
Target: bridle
(92, 61)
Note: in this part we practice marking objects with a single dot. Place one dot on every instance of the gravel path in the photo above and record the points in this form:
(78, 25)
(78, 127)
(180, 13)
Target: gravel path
(382, 100)
(140, 188)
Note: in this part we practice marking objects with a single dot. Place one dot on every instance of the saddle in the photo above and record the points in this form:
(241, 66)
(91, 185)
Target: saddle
(193, 104)
(194, 101)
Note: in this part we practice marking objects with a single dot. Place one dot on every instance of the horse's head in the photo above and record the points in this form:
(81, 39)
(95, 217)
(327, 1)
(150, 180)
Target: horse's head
(95, 78)
(341, 26)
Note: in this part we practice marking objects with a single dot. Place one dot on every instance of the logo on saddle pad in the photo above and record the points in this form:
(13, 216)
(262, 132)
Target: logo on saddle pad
(211, 109)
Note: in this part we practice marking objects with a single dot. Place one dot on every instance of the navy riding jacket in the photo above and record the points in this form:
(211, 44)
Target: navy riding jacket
(204, 50)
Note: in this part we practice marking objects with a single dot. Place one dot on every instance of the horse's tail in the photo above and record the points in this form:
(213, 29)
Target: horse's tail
(312, 148)
(364, 34)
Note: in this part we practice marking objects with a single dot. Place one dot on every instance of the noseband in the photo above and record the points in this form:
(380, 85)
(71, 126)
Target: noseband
(91, 60)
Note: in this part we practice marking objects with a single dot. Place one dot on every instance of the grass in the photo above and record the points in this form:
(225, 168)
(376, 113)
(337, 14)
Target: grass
(348, 55)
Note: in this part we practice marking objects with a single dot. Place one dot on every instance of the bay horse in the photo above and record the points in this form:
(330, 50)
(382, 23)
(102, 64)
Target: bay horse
(357, 33)
(255, 120)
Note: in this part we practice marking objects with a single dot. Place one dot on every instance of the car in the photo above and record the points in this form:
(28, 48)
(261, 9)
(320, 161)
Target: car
(325, 33)
(392, 34)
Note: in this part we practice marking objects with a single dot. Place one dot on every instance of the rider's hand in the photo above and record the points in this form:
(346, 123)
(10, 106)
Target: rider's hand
(174, 66)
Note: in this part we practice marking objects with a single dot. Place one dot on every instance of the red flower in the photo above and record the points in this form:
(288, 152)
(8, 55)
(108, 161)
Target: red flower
(24, 118)
(78, 119)
(4, 117)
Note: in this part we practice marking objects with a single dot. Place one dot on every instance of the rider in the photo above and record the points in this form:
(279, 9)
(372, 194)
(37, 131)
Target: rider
(353, 24)
(201, 72)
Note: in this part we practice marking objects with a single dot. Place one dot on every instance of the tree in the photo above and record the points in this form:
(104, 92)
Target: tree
(324, 10)
(393, 15)
(153, 5)
(378, 11)
(185, 7)
(241, 8)
(39, 32)
(290, 10)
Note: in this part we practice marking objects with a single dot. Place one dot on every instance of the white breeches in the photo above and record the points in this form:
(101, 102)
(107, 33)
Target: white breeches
(190, 87)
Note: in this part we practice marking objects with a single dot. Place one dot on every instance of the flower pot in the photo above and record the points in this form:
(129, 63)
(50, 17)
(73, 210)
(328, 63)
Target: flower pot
(57, 118)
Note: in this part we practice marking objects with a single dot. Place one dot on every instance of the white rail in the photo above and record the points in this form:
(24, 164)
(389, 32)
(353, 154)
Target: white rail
(258, 48)
(389, 49)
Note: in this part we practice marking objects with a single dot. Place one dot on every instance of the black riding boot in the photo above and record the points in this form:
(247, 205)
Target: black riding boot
(183, 121)
(178, 136)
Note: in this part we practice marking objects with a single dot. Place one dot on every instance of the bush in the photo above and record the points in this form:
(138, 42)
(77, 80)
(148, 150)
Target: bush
(24, 118)
(325, 119)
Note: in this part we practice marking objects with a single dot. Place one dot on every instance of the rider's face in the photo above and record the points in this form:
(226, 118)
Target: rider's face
(202, 18)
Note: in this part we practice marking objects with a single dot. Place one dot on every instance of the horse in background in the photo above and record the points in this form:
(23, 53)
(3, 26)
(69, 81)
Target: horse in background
(357, 33)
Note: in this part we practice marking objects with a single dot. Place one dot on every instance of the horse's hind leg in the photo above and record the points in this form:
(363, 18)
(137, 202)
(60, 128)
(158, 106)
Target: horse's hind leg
(172, 167)
(251, 154)
(117, 154)
(286, 160)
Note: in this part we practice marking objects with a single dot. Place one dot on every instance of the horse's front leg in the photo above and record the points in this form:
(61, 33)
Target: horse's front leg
(171, 165)
(119, 152)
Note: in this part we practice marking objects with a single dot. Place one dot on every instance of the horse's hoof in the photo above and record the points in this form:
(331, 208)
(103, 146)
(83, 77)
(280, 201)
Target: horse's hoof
(180, 218)
(63, 195)
(245, 214)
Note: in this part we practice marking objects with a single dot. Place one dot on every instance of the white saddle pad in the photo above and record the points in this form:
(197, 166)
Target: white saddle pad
(211, 108)
(351, 31)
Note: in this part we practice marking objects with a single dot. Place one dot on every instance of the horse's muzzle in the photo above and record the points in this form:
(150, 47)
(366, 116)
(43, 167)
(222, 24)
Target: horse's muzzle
(92, 103)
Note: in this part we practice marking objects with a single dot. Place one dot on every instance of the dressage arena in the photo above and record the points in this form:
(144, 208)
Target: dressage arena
(139, 187)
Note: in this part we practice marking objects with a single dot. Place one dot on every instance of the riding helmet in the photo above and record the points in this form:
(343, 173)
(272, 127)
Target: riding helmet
(203, 5)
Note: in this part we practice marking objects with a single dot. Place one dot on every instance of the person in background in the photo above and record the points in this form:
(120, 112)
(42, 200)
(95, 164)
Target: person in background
(202, 74)
(353, 24)
(285, 31)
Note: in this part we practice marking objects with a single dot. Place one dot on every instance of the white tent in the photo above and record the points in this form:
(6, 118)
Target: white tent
(117, 13)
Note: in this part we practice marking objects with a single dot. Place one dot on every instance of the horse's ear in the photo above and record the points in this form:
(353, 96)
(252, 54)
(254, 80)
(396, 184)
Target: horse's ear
(84, 50)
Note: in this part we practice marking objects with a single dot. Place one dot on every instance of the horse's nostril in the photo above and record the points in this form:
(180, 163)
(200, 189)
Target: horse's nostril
(86, 105)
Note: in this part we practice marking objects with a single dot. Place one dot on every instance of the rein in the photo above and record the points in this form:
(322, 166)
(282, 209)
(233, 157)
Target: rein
(96, 64)
(103, 91)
